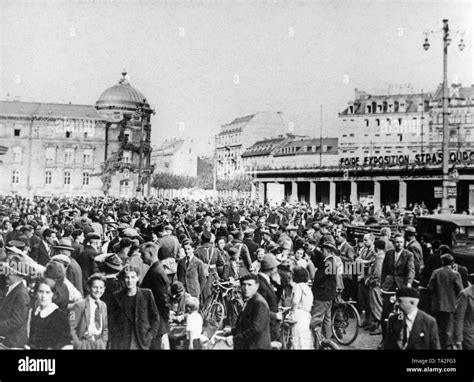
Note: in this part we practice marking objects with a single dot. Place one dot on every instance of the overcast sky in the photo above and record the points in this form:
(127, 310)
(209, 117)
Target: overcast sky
(186, 56)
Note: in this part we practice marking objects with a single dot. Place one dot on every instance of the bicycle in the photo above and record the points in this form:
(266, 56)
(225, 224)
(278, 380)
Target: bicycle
(322, 343)
(225, 303)
(286, 328)
(345, 320)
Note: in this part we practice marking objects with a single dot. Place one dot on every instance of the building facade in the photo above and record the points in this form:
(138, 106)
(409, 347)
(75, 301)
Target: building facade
(52, 148)
(65, 149)
(394, 175)
(176, 156)
(384, 124)
(238, 135)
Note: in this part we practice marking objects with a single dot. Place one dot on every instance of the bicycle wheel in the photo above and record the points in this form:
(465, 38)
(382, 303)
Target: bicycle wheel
(345, 323)
(328, 345)
(216, 314)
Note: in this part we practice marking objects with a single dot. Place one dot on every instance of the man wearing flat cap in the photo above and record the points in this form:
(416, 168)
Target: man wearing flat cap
(267, 275)
(413, 329)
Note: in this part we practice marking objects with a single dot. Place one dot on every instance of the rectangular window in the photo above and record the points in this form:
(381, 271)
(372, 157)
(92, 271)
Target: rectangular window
(351, 135)
(87, 156)
(48, 177)
(68, 134)
(68, 154)
(85, 179)
(16, 132)
(17, 154)
(16, 177)
(67, 178)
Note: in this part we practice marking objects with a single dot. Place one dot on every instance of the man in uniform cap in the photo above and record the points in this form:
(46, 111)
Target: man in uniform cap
(414, 329)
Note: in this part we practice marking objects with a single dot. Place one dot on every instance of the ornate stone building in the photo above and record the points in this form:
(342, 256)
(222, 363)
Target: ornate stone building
(65, 149)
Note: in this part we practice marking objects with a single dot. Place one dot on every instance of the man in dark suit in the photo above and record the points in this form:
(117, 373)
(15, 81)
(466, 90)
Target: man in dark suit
(445, 285)
(268, 271)
(250, 243)
(86, 257)
(14, 307)
(398, 271)
(43, 251)
(413, 329)
(252, 329)
(191, 271)
(134, 316)
(324, 288)
(158, 282)
(464, 320)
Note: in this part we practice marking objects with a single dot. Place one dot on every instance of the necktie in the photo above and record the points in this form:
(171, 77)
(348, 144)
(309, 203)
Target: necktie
(403, 338)
(97, 316)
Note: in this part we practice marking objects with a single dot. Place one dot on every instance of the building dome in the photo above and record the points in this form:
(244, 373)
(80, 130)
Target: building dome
(121, 96)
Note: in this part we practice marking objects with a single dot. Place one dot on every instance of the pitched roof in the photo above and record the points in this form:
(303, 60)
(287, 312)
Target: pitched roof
(241, 120)
(38, 109)
(263, 147)
(455, 91)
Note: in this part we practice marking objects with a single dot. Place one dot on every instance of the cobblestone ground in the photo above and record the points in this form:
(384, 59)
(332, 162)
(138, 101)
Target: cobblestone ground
(364, 341)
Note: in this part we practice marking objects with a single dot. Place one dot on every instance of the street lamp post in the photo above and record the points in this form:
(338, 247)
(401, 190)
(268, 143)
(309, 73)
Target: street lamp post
(426, 45)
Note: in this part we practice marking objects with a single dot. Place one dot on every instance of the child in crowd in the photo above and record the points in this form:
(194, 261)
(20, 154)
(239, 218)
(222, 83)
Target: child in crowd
(193, 324)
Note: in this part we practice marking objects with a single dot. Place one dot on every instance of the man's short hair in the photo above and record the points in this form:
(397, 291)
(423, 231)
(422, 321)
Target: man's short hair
(128, 268)
(94, 277)
(386, 231)
(379, 244)
(370, 236)
(399, 235)
(76, 233)
(47, 233)
(250, 276)
(149, 246)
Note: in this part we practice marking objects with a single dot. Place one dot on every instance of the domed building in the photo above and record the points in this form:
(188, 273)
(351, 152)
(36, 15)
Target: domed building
(127, 140)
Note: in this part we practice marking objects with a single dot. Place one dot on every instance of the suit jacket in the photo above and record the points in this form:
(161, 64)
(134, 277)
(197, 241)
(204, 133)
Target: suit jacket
(79, 320)
(444, 285)
(464, 319)
(193, 276)
(87, 263)
(423, 335)
(400, 274)
(415, 248)
(40, 254)
(252, 247)
(252, 329)
(14, 317)
(145, 320)
(74, 275)
(266, 290)
(158, 282)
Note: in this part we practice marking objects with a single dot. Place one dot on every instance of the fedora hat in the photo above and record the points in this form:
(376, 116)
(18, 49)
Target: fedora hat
(269, 261)
(113, 262)
(64, 244)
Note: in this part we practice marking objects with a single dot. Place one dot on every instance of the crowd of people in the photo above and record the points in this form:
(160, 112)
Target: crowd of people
(107, 273)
